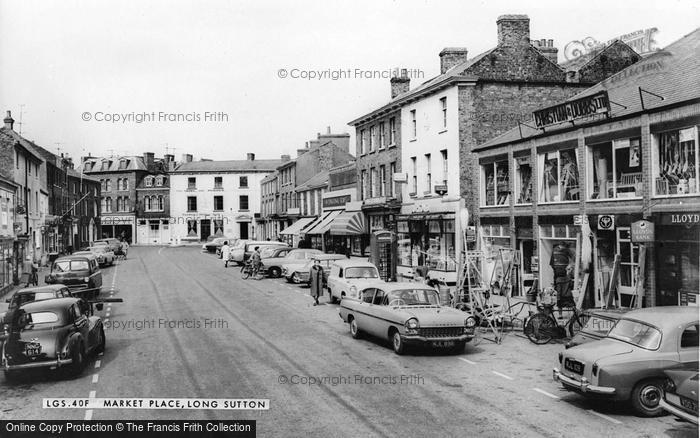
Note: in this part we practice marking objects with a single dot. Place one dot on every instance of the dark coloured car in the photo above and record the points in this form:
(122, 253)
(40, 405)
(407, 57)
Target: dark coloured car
(76, 272)
(52, 334)
(32, 294)
(599, 324)
(681, 394)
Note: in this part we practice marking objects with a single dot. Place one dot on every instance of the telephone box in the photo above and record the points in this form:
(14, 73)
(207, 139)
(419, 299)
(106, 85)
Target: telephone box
(382, 249)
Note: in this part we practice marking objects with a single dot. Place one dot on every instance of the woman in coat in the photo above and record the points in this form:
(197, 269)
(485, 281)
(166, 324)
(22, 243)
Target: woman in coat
(316, 281)
(225, 253)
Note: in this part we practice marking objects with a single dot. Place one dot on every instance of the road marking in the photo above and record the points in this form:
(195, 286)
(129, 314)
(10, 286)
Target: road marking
(546, 393)
(88, 415)
(98, 363)
(92, 394)
(470, 362)
(605, 417)
(502, 375)
(95, 378)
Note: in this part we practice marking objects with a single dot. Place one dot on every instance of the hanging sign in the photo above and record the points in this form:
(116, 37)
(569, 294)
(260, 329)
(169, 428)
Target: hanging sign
(606, 222)
(642, 231)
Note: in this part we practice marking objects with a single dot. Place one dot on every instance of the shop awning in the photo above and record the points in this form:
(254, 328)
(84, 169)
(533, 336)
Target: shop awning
(323, 225)
(348, 223)
(297, 226)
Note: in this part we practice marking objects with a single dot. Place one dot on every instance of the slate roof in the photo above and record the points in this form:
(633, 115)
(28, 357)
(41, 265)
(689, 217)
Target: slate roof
(9, 136)
(75, 174)
(671, 73)
(228, 166)
(316, 181)
(94, 164)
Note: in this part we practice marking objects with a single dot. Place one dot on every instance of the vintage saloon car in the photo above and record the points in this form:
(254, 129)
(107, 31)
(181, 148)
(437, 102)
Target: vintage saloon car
(599, 324)
(104, 255)
(274, 258)
(76, 272)
(51, 334)
(681, 394)
(296, 261)
(27, 295)
(629, 364)
(348, 276)
(303, 274)
(406, 314)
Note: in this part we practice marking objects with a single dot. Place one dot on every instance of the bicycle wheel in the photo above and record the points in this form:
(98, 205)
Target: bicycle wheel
(245, 273)
(539, 329)
(577, 322)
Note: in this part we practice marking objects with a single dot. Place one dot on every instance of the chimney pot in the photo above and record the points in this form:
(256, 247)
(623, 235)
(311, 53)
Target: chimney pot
(329, 131)
(251, 156)
(401, 84)
(550, 43)
(513, 30)
(9, 121)
(451, 56)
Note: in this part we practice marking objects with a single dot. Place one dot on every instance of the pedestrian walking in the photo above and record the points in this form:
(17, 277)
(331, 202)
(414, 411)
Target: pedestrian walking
(125, 247)
(316, 281)
(256, 260)
(225, 253)
(29, 273)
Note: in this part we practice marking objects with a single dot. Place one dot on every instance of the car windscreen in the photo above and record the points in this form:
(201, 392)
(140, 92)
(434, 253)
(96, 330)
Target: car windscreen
(267, 253)
(71, 265)
(636, 333)
(98, 248)
(361, 272)
(599, 326)
(414, 297)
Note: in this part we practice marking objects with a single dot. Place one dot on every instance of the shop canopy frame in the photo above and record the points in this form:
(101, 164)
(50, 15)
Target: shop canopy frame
(348, 223)
(298, 226)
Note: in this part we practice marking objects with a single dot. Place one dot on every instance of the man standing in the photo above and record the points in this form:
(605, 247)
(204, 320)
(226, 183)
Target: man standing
(255, 257)
(316, 281)
(225, 253)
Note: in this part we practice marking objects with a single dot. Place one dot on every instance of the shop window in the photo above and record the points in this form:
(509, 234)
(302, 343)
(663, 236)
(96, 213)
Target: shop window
(495, 183)
(192, 227)
(429, 243)
(559, 176)
(523, 180)
(616, 169)
(629, 261)
(218, 227)
(676, 162)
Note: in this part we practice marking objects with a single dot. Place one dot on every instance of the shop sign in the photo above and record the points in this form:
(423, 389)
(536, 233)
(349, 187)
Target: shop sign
(471, 233)
(576, 109)
(441, 189)
(400, 177)
(680, 219)
(336, 201)
(688, 298)
(642, 231)
(580, 219)
(606, 222)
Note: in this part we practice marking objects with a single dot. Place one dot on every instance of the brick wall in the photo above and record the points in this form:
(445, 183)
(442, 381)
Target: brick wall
(379, 157)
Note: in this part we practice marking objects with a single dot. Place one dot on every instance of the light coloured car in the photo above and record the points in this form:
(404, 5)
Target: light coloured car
(292, 264)
(303, 274)
(241, 253)
(407, 314)
(629, 363)
(104, 255)
(274, 258)
(349, 276)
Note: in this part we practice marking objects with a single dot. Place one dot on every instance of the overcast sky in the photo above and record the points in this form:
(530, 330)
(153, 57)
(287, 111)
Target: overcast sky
(69, 60)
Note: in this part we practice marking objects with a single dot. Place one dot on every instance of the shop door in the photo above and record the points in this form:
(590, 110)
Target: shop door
(205, 225)
(629, 262)
(154, 232)
(243, 230)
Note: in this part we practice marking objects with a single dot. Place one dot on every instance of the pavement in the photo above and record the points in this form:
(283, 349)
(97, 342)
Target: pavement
(188, 327)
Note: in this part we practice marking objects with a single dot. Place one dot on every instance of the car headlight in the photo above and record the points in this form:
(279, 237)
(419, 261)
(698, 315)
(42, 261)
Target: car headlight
(470, 322)
(412, 324)
(86, 279)
(353, 291)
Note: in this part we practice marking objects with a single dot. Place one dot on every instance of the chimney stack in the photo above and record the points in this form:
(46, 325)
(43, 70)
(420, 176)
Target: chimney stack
(9, 121)
(546, 47)
(451, 56)
(186, 158)
(250, 156)
(513, 30)
(149, 160)
(400, 84)
(328, 130)
(285, 158)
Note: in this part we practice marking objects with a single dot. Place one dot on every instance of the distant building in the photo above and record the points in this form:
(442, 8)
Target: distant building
(217, 198)
(153, 219)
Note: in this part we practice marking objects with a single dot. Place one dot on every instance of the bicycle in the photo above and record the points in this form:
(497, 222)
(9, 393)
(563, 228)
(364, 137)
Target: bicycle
(543, 326)
(248, 270)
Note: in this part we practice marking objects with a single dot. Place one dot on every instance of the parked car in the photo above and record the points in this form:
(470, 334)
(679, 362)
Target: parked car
(303, 275)
(76, 272)
(215, 244)
(599, 324)
(297, 262)
(681, 394)
(272, 258)
(114, 244)
(629, 364)
(407, 314)
(52, 334)
(104, 256)
(348, 276)
(240, 254)
(295, 257)
(30, 294)
(232, 242)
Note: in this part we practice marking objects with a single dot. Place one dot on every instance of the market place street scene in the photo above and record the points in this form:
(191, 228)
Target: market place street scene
(459, 220)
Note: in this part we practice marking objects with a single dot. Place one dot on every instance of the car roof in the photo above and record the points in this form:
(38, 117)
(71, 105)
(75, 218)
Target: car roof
(609, 313)
(399, 285)
(76, 257)
(344, 263)
(665, 317)
(46, 305)
(77, 253)
(265, 242)
(327, 257)
(46, 288)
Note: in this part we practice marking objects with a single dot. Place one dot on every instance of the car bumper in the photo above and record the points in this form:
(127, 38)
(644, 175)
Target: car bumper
(581, 385)
(679, 412)
(417, 339)
(57, 363)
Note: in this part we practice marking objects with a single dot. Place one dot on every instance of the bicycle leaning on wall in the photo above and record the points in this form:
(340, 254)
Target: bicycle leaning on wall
(543, 326)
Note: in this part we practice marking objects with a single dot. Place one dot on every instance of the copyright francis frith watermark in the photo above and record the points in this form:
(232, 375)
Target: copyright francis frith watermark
(350, 379)
(154, 117)
(338, 73)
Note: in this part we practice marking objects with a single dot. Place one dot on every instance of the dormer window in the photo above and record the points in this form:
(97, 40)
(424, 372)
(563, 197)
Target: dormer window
(149, 181)
(105, 165)
(159, 181)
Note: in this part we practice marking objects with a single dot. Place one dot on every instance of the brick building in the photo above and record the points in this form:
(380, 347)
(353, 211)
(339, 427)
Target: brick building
(153, 201)
(81, 217)
(615, 192)
(443, 119)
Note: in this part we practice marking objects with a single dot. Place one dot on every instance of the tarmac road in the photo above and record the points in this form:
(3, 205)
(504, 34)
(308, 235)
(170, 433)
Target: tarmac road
(190, 328)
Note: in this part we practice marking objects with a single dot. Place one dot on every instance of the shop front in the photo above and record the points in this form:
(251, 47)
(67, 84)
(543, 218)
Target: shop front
(292, 234)
(427, 247)
(153, 231)
(348, 234)
(677, 264)
(558, 245)
(118, 227)
(316, 234)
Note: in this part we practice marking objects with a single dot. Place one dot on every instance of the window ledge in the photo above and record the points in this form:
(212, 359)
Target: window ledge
(495, 206)
(393, 145)
(442, 131)
(527, 204)
(558, 203)
(413, 139)
(631, 198)
(685, 195)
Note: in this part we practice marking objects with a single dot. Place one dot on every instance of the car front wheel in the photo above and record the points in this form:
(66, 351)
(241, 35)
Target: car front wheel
(354, 329)
(646, 396)
(274, 272)
(102, 342)
(78, 364)
(398, 343)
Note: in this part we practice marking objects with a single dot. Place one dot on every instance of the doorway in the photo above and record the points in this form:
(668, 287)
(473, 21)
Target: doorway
(205, 225)
(243, 230)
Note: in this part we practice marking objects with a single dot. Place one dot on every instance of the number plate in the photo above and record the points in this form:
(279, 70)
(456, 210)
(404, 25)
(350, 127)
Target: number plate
(574, 366)
(443, 344)
(32, 350)
(689, 404)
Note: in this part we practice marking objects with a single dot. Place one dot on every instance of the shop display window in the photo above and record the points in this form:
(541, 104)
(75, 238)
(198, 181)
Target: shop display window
(559, 176)
(616, 169)
(429, 243)
(523, 180)
(675, 162)
(495, 189)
